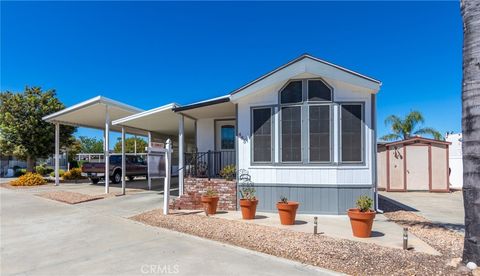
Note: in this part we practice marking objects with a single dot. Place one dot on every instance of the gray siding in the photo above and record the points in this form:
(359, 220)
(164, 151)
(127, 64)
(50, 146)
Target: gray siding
(314, 199)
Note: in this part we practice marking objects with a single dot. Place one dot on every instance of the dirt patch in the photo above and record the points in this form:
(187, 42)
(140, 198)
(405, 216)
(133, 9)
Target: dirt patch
(8, 186)
(341, 255)
(71, 197)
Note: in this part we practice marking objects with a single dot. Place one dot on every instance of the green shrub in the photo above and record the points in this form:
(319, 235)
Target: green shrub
(73, 174)
(29, 179)
(74, 164)
(247, 192)
(60, 172)
(228, 172)
(211, 192)
(364, 203)
(20, 172)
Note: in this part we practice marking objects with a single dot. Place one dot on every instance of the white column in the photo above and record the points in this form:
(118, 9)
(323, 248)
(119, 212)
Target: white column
(124, 167)
(168, 171)
(149, 144)
(57, 154)
(181, 150)
(106, 150)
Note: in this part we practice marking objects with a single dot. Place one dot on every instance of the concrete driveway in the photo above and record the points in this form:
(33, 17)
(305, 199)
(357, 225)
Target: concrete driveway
(443, 208)
(45, 237)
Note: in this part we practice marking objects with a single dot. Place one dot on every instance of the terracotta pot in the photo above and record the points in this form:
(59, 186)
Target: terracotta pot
(249, 208)
(210, 204)
(361, 222)
(287, 212)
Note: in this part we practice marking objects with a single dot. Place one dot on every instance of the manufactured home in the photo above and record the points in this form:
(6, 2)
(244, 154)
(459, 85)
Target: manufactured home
(305, 130)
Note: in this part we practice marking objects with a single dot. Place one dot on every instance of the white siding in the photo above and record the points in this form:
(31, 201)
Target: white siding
(205, 135)
(326, 174)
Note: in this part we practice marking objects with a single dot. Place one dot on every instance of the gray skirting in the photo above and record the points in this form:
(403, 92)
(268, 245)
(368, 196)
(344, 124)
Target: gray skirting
(314, 199)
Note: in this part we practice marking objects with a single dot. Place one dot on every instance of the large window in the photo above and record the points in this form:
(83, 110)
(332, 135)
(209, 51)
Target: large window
(305, 122)
(351, 133)
(262, 134)
(319, 133)
(291, 134)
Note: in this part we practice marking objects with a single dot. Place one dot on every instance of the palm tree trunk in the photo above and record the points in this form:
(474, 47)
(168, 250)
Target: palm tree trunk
(470, 10)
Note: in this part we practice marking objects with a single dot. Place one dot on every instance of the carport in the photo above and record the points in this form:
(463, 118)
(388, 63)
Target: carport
(165, 123)
(96, 113)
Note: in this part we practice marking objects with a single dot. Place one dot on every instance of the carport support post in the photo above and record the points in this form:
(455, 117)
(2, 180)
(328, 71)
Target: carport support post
(149, 180)
(181, 145)
(124, 167)
(168, 171)
(57, 154)
(106, 150)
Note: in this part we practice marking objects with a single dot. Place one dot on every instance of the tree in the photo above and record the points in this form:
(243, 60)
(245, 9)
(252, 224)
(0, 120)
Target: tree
(23, 133)
(404, 128)
(130, 145)
(470, 10)
(90, 145)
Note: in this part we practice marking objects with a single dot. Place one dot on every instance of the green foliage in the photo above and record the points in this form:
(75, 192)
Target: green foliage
(90, 145)
(228, 172)
(73, 174)
(19, 172)
(130, 145)
(43, 170)
(247, 193)
(404, 128)
(284, 199)
(211, 192)
(60, 173)
(29, 179)
(23, 133)
(364, 203)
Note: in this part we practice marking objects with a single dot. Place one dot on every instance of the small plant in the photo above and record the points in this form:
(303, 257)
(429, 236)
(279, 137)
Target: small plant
(364, 203)
(43, 170)
(29, 179)
(211, 192)
(247, 193)
(228, 172)
(284, 200)
(73, 174)
(20, 172)
(60, 173)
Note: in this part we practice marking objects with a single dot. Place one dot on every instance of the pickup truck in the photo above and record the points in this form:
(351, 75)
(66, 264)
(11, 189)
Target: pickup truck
(135, 165)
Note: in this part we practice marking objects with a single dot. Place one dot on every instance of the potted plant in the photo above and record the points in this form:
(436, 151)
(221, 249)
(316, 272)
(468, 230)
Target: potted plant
(361, 218)
(210, 201)
(248, 202)
(287, 211)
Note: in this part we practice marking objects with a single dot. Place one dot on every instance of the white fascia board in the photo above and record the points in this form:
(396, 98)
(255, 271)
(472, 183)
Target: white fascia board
(124, 120)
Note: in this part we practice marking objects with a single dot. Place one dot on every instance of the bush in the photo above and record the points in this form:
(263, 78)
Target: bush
(73, 174)
(20, 172)
(60, 172)
(74, 164)
(228, 172)
(29, 179)
(43, 170)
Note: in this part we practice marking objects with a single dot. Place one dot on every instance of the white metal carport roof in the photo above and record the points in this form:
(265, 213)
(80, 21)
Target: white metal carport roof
(92, 114)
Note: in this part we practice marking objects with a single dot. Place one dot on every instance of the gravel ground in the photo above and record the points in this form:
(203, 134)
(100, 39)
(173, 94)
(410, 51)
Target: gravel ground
(345, 256)
(70, 197)
(8, 186)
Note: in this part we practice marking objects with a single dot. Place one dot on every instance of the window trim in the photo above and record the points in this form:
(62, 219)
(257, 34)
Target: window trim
(331, 130)
(362, 135)
(272, 135)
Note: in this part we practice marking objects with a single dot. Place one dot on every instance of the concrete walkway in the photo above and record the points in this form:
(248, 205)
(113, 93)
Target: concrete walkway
(45, 237)
(442, 208)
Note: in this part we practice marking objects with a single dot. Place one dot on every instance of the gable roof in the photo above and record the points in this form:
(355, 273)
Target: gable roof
(298, 59)
(416, 139)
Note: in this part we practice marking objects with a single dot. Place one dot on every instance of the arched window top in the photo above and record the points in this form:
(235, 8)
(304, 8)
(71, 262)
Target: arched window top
(298, 91)
(292, 93)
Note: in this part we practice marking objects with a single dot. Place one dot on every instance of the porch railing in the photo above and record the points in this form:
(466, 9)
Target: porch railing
(207, 164)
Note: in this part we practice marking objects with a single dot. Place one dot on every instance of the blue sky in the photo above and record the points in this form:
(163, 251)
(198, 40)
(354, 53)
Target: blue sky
(150, 53)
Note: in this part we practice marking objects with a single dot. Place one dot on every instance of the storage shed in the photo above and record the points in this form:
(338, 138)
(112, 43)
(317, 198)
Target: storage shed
(415, 164)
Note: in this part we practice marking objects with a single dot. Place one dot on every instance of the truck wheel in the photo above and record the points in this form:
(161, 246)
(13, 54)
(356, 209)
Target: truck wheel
(130, 178)
(94, 180)
(117, 177)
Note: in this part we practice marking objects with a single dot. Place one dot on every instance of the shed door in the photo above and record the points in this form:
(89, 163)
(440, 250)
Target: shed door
(417, 167)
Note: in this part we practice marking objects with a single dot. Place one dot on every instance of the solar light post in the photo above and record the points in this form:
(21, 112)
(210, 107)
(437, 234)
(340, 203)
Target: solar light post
(405, 238)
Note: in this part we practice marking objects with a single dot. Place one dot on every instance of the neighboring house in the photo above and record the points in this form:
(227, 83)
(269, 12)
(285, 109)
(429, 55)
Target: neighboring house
(305, 130)
(455, 160)
(414, 164)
